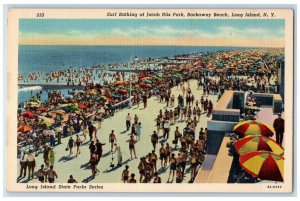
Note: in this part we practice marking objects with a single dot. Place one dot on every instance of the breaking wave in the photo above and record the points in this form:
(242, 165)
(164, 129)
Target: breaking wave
(30, 88)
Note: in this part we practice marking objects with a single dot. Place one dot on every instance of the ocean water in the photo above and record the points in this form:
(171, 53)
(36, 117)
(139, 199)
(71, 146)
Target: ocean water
(51, 58)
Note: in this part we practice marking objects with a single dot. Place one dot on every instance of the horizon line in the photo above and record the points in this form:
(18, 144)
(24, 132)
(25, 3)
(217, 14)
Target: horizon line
(150, 45)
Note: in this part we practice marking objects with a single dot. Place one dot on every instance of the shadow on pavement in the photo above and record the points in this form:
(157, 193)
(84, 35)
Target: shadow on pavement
(85, 166)
(88, 179)
(106, 154)
(162, 170)
(65, 158)
(116, 167)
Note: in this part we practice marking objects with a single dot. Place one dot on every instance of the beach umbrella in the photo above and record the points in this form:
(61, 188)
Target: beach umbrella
(42, 109)
(254, 127)
(33, 103)
(104, 98)
(45, 124)
(122, 92)
(81, 106)
(263, 165)
(24, 129)
(28, 114)
(257, 143)
(143, 85)
(20, 110)
(120, 83)
(185, 69)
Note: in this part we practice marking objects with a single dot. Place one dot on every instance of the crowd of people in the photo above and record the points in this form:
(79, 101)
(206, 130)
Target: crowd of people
(80, 114)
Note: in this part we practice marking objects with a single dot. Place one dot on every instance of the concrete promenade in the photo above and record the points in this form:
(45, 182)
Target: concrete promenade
(79, 167)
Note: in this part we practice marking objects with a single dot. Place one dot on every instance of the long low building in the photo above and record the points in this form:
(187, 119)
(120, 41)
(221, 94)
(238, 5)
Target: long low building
(226, 114)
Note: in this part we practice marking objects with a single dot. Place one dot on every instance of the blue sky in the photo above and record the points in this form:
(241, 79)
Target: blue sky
(172, 28)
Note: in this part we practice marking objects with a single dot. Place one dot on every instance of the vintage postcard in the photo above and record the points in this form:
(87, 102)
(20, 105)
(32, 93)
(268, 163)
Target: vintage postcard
(149, 100)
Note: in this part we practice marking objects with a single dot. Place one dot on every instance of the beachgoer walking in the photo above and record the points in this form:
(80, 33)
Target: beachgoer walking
(154, 139)
(154, 159)
(99, 149)
(30, 164)
(93, 162)
(163, 156)
(52, 137)
(131, 146)
(173, 165)
(112, 139)
(128, 121)
(119, 154)
(141, 168)
(139, 131)
(46, 155)
(78, 143)
(166, 130)
(125, 174)
(51, 156)
(70, 146)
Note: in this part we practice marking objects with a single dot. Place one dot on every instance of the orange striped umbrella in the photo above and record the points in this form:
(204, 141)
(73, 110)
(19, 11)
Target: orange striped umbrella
(24, 129)
(254, 127)
(257, 143)
(264, 165)
(120, 83)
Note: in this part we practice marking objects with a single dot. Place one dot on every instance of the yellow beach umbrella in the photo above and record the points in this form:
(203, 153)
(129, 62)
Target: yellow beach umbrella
(257, 143)
(263, 165)
(254, 127)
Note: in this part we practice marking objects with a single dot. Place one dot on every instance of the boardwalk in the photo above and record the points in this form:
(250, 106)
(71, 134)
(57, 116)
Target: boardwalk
(79, 167)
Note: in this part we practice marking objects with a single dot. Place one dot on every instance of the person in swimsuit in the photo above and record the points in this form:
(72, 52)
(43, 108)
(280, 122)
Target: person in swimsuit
(78, 143)
(179, 176)
(141, 168)
(132, 179)
(173, 165)
(112, 139)
(41, 174)
(93, 162)
(70, 145)
(131, 146)
(154, 139)
(154, 158)
(193, 162)
(125, 174)
(163, 155)
(158, 123)
(51, 175)
(71, 180)
(168, 153)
